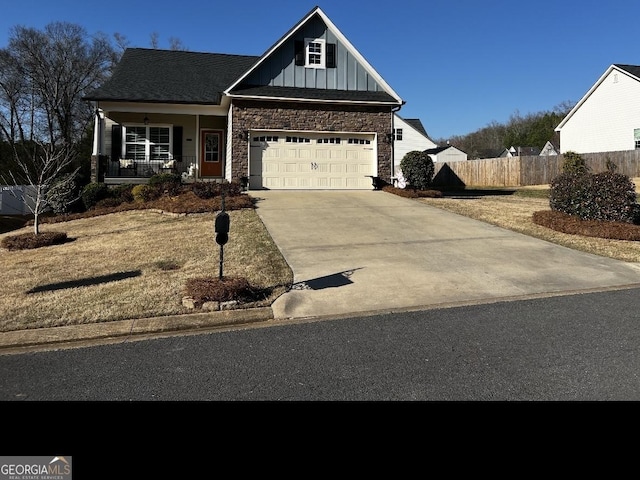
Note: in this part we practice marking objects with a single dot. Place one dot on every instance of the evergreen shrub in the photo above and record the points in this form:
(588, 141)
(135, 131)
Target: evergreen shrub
(417, 168)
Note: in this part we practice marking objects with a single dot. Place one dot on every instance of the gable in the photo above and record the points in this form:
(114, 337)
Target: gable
(614, 73)
(284, 68)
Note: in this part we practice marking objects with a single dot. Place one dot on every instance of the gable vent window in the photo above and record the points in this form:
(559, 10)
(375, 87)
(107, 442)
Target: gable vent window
(397, 133)
(315, 53)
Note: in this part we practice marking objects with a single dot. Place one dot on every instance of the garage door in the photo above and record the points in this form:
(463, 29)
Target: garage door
(303, 160)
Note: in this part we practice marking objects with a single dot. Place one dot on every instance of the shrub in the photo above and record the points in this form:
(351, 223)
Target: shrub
(574, 163)
(417, 168)
(123, 192)
(144, 193)
(220, 289)
(161, 178)
(92, 193)
(30, 240)
(62, 195)
(214, 189)
(167, 183)
(108, 202)
(606, 196)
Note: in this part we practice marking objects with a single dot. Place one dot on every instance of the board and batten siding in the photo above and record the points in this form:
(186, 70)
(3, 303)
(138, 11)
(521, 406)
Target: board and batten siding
(280, 70)
(607, 118)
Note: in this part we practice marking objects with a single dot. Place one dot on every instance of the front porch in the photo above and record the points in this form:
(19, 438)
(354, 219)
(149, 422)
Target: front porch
(115, 170)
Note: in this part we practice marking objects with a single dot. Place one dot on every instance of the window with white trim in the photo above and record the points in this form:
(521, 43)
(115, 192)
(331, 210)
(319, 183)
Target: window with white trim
(147, 142)
(315, 53)
(636, 137)
(397, 133)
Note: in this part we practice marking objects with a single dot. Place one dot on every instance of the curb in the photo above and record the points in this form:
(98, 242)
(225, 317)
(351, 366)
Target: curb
(123, 328)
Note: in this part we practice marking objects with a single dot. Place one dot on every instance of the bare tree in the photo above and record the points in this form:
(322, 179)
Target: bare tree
(153, 40)
(176, 44)
(43, 77)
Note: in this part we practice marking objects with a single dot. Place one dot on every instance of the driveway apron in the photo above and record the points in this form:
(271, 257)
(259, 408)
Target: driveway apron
(355, 252)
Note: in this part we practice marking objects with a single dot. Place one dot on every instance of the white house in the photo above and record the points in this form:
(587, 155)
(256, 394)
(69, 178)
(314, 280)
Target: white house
(607, 118)
(408, 135)
(447, 154)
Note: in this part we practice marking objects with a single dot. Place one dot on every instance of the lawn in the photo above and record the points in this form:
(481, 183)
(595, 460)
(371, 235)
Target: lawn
(132, 264)
(136, 263)
(515, 210)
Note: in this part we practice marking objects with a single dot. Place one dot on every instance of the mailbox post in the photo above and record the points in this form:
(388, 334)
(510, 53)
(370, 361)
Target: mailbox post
(222, 232)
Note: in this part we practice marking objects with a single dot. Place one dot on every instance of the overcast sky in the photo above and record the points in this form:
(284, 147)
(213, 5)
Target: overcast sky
(458, 64)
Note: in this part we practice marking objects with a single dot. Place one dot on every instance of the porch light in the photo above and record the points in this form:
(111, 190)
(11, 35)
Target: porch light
(243, 134)
(146, 120)
(389, 137)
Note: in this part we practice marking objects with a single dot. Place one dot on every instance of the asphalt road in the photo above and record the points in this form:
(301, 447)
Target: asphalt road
(565, 348)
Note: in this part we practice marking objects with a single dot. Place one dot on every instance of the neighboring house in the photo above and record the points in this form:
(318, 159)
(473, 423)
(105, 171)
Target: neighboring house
(447, 154)
(550, 148)
(607, 118)
(408, 135)
(520, 152)
(310, 113)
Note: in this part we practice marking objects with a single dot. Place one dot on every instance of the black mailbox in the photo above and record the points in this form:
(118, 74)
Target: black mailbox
(222, 228)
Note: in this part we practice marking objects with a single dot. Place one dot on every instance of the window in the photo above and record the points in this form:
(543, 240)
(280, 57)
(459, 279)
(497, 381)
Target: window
(147, 142)
(298, 140)
(334, 140)
(359, 141)
(266, 138)
(397, 133)
(636, 137)
(314, 52)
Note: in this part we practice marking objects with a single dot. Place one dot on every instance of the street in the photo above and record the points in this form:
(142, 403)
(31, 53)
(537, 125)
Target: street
(565, 348)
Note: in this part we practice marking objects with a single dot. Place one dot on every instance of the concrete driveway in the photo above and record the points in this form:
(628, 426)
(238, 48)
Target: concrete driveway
(365, 251)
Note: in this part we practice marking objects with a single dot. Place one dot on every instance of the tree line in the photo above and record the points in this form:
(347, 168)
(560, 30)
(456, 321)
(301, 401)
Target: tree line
(531, 130)
(46, 127)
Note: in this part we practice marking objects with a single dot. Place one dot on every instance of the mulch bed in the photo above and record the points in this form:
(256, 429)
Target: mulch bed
(571, 224)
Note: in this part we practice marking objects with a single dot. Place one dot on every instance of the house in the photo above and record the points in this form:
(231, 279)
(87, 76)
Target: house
(310, 113)
(408, 135)
(552, 147)
(447, 153)
(607, 118)
(520, 152)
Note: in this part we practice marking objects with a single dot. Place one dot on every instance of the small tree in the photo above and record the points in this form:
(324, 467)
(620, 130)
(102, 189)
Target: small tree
(417, 168)
(574, 163)
(43, 77)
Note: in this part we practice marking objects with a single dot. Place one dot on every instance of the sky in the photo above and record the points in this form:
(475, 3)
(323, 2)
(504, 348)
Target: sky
(459, 65)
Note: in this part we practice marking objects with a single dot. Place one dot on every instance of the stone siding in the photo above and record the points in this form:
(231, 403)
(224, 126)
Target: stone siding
(247, 115)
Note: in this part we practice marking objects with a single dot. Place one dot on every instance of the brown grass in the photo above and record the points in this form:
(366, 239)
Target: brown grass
(516, 212)
(132, 264)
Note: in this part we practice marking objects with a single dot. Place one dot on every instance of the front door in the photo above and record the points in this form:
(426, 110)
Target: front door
(211, 153)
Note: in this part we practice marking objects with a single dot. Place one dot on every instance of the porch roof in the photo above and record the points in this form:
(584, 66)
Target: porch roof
(172, 76)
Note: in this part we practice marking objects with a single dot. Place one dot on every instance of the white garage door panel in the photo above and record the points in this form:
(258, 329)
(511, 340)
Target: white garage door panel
(278, 162)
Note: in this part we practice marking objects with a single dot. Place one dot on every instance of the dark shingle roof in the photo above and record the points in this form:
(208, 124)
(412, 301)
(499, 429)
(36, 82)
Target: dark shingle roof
(172, 76)
(417, 124)
(437, 150)
(314, 94)
(632, 69)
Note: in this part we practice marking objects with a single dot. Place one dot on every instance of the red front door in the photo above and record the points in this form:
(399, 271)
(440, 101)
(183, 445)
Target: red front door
(211, 153)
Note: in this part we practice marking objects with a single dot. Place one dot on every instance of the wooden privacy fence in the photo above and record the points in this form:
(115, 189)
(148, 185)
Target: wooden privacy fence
(527, 170)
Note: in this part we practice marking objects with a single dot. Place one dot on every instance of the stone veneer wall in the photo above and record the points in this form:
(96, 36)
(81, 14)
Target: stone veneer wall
(249, 114)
